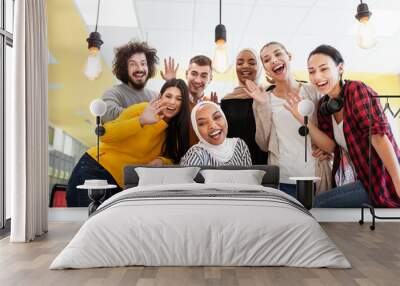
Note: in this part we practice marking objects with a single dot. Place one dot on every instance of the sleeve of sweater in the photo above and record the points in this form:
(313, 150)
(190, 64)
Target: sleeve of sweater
(126, 125)
(114, 105)
(263, 119)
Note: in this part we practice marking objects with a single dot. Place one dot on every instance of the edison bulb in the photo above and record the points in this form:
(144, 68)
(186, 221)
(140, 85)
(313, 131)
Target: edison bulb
(93, 65)
(365, 35)
(221, 59)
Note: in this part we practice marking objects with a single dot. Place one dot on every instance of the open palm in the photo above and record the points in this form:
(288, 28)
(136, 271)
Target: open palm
(256, 92)
(152, 113)
(292, 105)
(170, 69)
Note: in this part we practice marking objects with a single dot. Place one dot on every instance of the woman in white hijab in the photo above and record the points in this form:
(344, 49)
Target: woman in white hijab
(214, 148)
(238, 105)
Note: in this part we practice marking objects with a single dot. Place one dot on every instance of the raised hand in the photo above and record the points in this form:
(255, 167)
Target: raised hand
(169, 69)
(152, 113)
(214, 97)
(256, 92)
(292, 103)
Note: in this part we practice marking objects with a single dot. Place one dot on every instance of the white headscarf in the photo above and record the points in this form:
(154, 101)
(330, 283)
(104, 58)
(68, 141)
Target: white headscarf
(222, 152)
(258, 61)
(239, 92)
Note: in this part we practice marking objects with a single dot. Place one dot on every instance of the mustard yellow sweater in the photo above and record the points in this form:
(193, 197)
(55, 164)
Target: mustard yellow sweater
(126, 142)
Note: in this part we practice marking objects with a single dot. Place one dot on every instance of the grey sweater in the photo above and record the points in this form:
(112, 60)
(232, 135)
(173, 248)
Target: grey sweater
(121, 96)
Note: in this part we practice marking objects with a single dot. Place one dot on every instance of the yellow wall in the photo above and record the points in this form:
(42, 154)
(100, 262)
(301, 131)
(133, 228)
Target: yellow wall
(69, 103)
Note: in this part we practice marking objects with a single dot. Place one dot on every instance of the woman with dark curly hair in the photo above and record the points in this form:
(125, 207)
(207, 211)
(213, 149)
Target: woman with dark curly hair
(134, 64)
(154, 133)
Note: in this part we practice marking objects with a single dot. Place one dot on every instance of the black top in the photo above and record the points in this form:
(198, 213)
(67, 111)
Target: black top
(241, 123)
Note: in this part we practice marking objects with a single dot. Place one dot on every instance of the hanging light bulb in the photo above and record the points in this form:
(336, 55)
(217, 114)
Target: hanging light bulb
(221, 59)
(365, 34)
(93, 67)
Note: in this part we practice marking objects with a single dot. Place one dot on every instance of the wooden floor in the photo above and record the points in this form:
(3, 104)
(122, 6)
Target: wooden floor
(374, 255)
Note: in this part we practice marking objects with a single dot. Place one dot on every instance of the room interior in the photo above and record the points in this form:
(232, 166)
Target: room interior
(43, 53)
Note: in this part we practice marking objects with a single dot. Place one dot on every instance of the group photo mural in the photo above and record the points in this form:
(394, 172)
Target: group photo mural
(149, 90)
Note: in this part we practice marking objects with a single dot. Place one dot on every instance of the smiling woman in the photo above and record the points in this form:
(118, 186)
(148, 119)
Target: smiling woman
(350, 119)
(238, 105)
(277, 130)
(154, 133)
(214, 149)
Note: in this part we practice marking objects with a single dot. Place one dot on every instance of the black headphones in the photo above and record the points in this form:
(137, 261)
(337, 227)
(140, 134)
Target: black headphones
(332, 105)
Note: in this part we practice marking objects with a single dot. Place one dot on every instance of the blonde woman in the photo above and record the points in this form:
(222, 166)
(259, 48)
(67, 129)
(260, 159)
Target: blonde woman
(277, 129)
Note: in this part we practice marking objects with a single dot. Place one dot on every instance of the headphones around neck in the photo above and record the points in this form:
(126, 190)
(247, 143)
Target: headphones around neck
(333, 105)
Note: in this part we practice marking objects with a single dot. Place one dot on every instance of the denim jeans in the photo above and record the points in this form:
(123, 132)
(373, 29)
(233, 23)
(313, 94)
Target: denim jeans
(347, 196)
(86, 169)
(289, 189)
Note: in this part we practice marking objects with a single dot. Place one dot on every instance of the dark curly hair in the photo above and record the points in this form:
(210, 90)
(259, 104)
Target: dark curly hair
(123, 53)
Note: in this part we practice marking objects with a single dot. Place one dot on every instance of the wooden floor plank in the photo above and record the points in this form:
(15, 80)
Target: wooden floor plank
(374, 255)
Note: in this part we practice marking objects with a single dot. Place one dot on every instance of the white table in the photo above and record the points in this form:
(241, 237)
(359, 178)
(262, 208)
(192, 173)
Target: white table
(96, 195)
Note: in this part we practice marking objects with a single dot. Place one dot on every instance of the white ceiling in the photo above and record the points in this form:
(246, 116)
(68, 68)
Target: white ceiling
(121, 15)
(184, 28)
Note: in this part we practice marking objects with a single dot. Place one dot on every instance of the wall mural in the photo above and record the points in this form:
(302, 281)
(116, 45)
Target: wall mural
(261, 111)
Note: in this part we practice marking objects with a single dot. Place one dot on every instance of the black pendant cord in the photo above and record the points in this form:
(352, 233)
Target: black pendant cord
(97, 17)
(220, 11)
(370, 204)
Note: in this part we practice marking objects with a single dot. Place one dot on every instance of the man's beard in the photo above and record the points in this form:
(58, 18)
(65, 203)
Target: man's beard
(137, 85)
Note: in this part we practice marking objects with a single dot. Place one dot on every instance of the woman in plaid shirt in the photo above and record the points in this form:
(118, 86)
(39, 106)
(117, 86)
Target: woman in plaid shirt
(344, 126)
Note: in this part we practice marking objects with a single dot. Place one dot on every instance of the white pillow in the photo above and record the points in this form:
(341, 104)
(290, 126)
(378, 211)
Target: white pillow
(166, 176)
(248, 177)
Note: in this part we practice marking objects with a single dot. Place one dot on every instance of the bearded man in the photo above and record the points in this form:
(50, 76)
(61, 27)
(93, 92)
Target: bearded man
(134, 64)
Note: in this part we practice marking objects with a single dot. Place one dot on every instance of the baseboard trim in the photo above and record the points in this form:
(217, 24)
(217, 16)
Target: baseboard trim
(352, 215)
(68, 214)
(322, 215)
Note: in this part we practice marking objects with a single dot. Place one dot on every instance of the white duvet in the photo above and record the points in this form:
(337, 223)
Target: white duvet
(183, 231)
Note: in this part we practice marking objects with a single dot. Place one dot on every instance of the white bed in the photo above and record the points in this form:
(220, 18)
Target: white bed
(201, 224)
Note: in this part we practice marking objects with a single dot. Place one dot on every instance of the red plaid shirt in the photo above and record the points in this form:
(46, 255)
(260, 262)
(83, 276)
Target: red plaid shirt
(357, 99)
